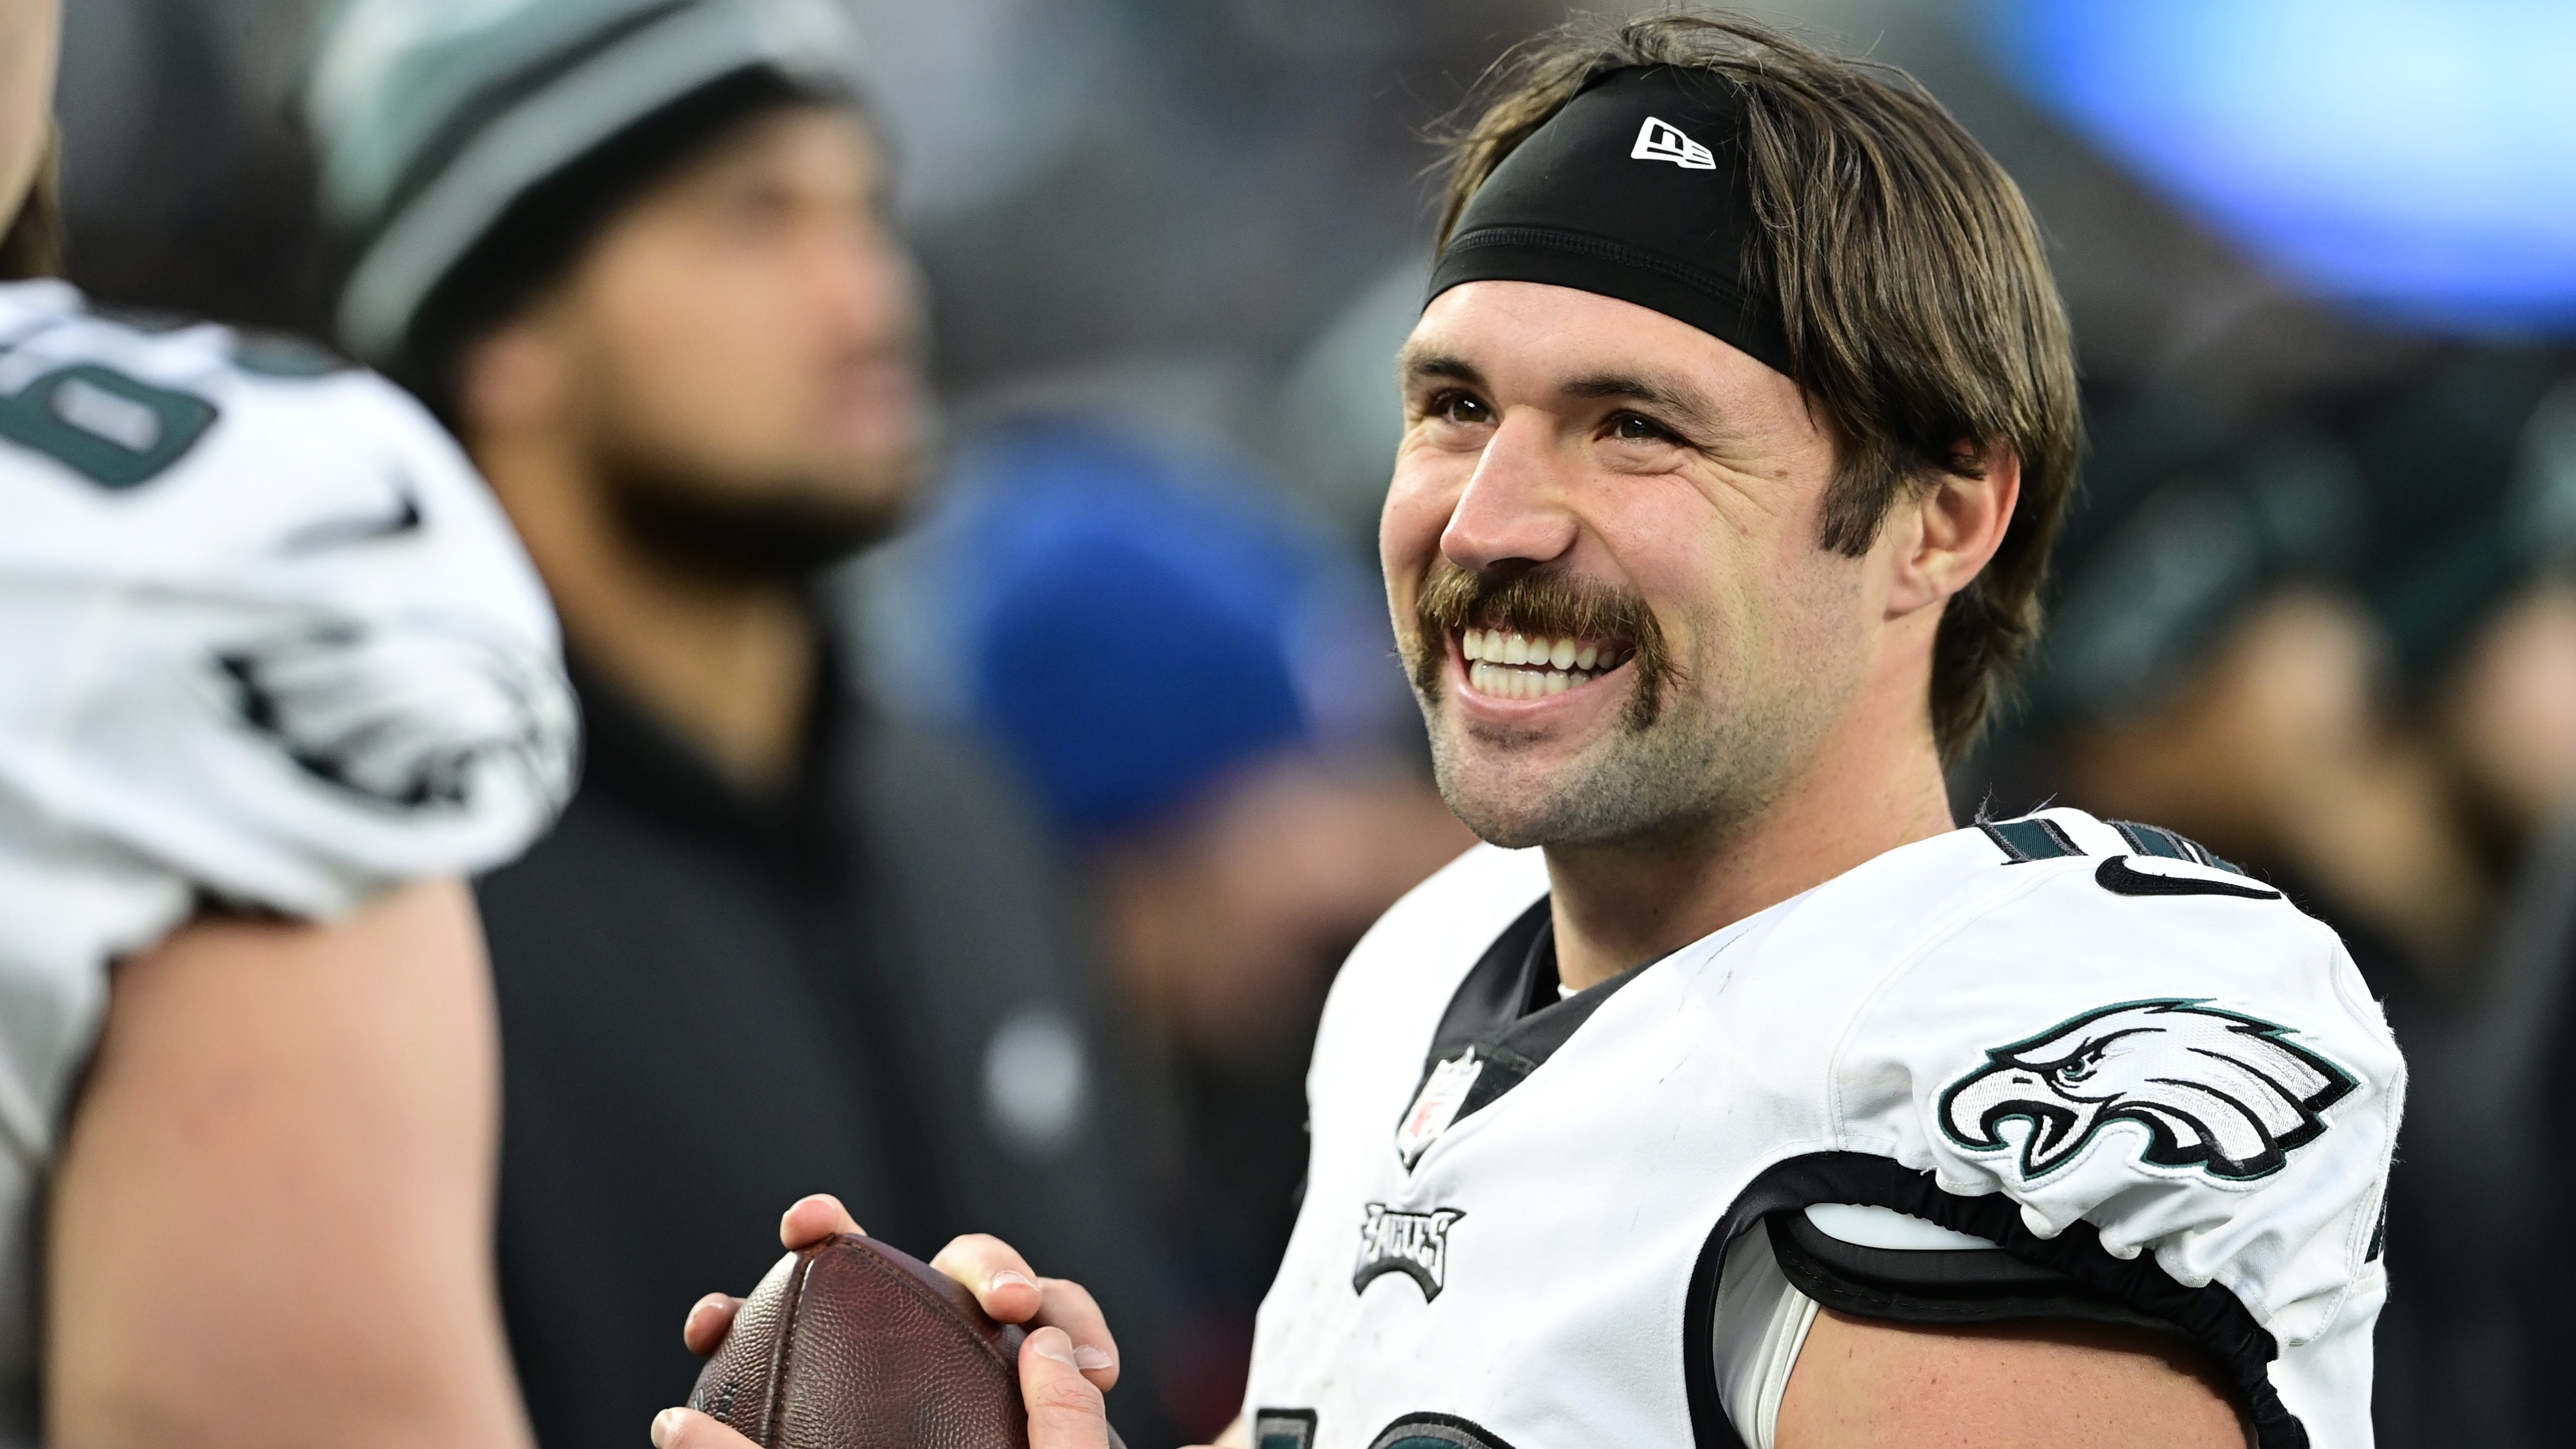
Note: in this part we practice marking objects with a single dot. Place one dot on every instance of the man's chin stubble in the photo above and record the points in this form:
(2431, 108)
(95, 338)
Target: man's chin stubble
(1633, 792)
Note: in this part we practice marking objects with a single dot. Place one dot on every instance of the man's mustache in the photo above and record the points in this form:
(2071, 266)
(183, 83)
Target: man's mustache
(1539, 605)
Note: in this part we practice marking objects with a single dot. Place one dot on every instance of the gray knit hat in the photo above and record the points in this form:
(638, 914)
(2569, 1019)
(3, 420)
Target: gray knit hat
(435, 116)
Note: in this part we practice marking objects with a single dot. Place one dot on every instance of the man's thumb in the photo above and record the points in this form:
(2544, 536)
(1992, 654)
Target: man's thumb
(1065, 1411)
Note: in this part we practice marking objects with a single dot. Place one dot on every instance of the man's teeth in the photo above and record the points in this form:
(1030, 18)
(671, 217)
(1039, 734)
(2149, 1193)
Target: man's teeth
(1504, 682)
(1515, 666)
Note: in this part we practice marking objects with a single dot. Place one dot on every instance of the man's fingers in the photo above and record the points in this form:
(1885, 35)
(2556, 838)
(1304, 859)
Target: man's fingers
(813, 1219)
(1011, 1292)
(808, 1221)
(1000, 1279)
(1060, 1379)
(1070, 1306)
(1065, 1411)
(709, 1320)
(689, 1429)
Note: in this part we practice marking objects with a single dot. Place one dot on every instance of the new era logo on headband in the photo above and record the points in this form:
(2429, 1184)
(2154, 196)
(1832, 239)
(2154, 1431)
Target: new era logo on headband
(1659, 140)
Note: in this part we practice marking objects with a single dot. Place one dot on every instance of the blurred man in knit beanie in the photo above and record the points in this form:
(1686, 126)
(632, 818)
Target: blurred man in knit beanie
(639, 255)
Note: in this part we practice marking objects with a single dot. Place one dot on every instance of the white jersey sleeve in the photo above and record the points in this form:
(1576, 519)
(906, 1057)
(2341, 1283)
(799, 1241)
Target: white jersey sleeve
(269, 636)
(2141, 1057)
(265, 640)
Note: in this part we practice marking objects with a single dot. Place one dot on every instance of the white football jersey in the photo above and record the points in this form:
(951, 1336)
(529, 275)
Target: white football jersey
(265, 640)
(2158, 1087)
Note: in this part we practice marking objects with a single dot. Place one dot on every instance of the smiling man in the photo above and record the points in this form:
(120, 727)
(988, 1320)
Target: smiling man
(1758, 1103)
(1732, 1095)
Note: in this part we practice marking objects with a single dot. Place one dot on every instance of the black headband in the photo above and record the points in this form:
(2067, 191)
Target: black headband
(1637, 189)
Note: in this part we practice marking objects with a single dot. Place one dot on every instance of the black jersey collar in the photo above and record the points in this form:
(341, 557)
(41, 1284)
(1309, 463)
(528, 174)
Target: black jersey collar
(1509, 1009)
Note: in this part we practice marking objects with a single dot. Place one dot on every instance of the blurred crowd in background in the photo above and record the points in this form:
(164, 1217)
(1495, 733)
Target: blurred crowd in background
(2315, 606)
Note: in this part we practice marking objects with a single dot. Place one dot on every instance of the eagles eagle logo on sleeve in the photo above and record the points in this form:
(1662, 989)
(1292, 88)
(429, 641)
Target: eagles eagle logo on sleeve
(415, 716)
(2229, 1094)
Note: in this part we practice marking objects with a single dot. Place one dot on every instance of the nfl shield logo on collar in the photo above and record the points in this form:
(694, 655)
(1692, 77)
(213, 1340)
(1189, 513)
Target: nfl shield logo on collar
(1436, 1106)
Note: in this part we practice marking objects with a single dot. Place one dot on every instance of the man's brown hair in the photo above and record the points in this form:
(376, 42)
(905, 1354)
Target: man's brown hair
(1915, 293)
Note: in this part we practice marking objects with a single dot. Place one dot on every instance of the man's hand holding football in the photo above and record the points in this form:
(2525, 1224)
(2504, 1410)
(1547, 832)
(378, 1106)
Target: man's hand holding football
(1066, 1362)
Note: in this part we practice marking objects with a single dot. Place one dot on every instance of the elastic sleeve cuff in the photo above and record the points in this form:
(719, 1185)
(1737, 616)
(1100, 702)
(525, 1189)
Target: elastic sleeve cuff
(1937, 1286)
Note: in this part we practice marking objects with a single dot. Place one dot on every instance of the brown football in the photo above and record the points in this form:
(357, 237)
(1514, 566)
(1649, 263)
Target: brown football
(850, 1344)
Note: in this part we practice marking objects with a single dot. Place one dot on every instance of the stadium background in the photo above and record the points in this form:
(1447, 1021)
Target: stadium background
(2301, 240)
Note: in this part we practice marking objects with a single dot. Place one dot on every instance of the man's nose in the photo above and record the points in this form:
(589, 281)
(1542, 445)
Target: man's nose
(1512, 508)
(864, 280)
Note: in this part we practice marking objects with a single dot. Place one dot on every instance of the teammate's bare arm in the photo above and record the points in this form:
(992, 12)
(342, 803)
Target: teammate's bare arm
(27, 35)
(272, 1223)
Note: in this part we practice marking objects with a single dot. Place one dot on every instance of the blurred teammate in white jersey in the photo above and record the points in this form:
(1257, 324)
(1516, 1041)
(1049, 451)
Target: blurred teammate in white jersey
(277, 677)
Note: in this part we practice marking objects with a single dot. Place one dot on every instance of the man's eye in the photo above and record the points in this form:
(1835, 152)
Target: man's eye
(1630, 428)
(1459, 407)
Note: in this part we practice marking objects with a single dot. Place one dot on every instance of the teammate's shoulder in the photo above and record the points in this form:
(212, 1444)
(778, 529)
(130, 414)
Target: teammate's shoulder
(51, 322)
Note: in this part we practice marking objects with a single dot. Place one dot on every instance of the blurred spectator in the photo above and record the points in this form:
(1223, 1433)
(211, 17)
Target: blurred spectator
(638, 253)
(1204, 693)
(2474, 476)
(2508, 719)
(2209, 670)
(2477, 470)
(2511, 1141)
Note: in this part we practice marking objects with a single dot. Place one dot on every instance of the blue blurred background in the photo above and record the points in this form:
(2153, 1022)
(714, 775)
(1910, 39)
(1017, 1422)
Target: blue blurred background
(2408, 161)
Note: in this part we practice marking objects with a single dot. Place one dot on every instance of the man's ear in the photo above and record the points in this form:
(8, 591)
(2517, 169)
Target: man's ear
(515, 377)
(1955, 522)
